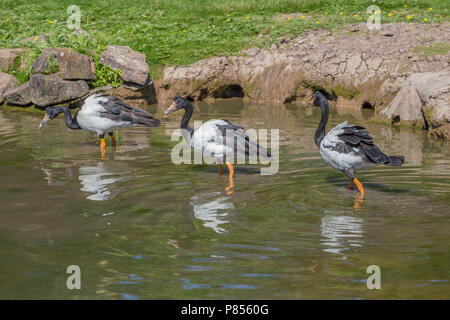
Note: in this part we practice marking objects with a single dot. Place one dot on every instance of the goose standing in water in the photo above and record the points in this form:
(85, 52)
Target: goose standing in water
(217, 138)
(102, 114)
(348, 148)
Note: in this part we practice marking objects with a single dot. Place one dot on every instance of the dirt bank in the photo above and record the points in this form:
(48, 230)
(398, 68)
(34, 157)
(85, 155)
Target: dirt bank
(358, 68)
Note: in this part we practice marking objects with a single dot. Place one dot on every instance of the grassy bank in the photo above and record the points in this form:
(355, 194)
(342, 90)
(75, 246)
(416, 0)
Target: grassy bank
(184, 31)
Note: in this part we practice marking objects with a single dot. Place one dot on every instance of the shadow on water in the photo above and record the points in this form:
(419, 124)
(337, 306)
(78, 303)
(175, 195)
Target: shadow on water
(141, 227)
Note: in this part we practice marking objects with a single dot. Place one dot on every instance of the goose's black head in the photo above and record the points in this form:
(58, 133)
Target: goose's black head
(177, 104)
(318, 98)
(50, 114)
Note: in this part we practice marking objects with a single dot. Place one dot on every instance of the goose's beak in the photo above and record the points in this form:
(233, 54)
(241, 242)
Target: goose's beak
(172, 108)
(45, 121)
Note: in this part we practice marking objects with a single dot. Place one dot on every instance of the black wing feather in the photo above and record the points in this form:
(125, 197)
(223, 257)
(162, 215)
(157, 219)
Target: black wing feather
(117, 110)
(356, 137)
(241, 141)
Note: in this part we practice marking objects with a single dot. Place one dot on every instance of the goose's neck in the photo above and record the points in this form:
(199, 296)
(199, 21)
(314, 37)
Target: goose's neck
(71, 123)
(320, 131)
(188, 111)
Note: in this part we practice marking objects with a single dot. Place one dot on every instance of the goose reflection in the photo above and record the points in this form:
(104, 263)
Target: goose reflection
(212, 208)
(97, 180)
(339, 233)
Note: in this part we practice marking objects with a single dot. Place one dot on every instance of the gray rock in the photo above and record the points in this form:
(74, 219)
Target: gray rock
(8, 57)
(75, 66)
(414, 93)
(7, 82)
(437, 113)
(40, 65)
(50, 90)
(20, 96)
(72, 65)
(132, 63)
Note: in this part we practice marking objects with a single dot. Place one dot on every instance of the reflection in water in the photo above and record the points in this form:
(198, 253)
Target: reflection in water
(156, 252)
(93, 180)
(212, 209)
(52, 178)
(341, 232)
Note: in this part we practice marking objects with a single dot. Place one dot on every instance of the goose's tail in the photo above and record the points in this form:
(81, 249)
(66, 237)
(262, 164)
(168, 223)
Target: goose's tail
(396, 161)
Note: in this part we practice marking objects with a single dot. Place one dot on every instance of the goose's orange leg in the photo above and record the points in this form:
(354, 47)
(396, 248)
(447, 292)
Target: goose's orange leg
(102, 147)
(359, 199)
(360, 187)
(113, 140)
(350, 186)
(231, 175)
(230, 170)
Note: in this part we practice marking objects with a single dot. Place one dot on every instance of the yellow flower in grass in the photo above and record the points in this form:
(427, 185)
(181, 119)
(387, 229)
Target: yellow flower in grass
(144, 15)
(317, 22)
(184, 30)
(405, 6)
(36, 39)
(408, 17)
(355, 15)
(281, 18)
(7, 19)
(430, 9)
(359, 18)
(425, 20)
(51, 22)
(341, 13)
(303, 17)
(390, 15)
(248, 17)
(326, 12)
(228, 14)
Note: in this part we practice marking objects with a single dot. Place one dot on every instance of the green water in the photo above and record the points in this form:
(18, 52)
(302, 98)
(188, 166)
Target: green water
(140, 227)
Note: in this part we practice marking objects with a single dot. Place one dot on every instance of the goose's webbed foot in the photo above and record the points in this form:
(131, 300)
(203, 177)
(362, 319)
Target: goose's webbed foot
(230, 177)
(102, 146)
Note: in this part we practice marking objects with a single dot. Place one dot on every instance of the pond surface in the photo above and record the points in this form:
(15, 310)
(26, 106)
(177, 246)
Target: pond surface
(140, 227)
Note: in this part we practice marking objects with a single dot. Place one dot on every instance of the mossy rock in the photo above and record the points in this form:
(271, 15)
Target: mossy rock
(436, 48)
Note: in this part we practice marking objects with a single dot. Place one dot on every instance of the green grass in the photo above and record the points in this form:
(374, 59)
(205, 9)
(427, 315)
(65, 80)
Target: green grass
(180, 32)
(5, 107)
(53, 66)
(22, 67)
(105, 75)
(433, 49)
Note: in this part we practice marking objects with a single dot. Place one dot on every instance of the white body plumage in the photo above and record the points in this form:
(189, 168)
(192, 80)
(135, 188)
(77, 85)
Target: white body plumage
(89, 117)
(341, 160)
(208, 139)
